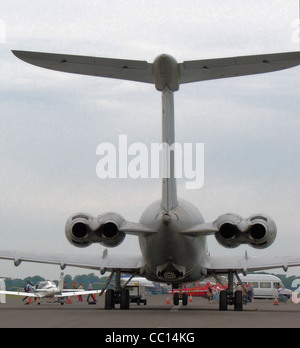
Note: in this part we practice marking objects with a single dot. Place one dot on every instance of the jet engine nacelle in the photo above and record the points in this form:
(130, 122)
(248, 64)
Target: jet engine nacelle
(259, 231)
(82, 230)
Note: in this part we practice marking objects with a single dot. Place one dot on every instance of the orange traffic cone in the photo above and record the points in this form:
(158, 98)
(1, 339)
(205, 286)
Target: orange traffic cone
(191, 298)
(276, 301)
(69, 301)
(168, 299)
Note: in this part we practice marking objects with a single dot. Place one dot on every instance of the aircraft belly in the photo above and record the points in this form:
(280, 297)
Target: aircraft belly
(174, 258)
(170, 256)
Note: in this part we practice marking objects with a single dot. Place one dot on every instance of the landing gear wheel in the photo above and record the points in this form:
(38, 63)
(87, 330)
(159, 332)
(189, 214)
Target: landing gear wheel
(110, 299)
(223, 304)
(125, 299)
(176, 299)
(184, 299)
(238, 301)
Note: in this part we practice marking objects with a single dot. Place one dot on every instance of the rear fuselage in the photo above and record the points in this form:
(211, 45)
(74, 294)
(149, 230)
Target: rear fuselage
(170, 256)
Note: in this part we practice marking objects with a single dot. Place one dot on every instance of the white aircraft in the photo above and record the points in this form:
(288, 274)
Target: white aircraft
(131, 281)
(48, 289)
(172, 232)
(150, 286)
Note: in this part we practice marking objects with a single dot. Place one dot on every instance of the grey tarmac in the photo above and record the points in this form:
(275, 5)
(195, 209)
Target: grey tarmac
(157, 315)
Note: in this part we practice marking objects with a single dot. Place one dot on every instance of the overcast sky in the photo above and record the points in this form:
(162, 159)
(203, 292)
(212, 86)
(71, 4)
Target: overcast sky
(51, 123)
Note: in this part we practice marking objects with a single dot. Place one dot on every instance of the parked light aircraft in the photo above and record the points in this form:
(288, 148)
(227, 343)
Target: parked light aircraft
(172, 232)
(48, 289)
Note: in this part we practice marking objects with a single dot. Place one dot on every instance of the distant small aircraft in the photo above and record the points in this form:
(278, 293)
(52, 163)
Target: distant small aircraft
(48, 289)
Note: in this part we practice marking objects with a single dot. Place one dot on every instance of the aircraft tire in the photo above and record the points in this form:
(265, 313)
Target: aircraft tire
(184, 299)
(223, 304)
(238, 301)
(176, 299)
(110, 299)
(125, 299)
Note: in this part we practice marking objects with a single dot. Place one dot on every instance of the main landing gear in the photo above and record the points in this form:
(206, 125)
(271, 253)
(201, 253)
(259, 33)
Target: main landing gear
(113, 297)
(229, 297)
(119, 295)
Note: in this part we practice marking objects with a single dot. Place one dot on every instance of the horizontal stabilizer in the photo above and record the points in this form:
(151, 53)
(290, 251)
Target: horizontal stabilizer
(210, 69)
(133, 70)
(142, 71)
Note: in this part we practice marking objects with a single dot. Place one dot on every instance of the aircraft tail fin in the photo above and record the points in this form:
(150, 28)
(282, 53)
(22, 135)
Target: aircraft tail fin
(169, 186)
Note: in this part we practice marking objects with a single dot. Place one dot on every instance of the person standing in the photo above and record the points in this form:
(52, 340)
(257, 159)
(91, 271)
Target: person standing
(250, 292)
(28, 289)
(91, 288)
(80, 298)
(209, 294)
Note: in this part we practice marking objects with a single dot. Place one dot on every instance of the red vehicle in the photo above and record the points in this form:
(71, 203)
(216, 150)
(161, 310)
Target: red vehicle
(197, 289)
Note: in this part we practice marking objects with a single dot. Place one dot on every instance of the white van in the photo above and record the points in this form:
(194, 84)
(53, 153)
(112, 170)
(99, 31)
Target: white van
(265, 285)
(2, 288)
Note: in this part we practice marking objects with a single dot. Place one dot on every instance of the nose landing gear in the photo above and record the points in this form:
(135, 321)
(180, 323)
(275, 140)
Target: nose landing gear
(180, 297)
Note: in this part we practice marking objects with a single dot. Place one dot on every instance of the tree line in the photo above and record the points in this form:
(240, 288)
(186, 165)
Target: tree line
(85, 280)
(98, 283)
